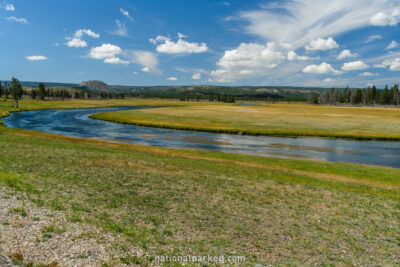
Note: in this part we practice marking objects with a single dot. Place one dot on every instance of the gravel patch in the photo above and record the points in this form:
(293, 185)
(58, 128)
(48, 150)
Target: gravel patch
(43, 236)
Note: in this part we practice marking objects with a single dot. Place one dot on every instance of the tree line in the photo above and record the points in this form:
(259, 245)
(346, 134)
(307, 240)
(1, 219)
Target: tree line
(15, 91)
(365, 96)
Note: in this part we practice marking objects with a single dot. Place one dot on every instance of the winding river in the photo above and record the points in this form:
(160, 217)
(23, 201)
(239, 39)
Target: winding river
(75, 123)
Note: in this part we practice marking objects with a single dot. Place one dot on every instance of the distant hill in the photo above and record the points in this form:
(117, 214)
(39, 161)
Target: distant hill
(95, 86)
(253, 92)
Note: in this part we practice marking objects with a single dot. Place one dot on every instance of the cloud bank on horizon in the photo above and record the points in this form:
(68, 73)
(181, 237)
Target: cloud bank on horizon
(290, 42)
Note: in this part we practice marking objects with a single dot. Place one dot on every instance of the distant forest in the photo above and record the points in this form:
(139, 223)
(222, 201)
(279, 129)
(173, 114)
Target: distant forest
(366, 96)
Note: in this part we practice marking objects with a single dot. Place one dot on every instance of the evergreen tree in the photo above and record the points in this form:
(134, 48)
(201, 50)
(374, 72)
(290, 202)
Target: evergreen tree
(42, 91)
(357, 96)
(385, 96)
(16, 89)
(369, 96)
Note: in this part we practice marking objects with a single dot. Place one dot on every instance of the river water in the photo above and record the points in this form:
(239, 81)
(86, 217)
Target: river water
(75, 123)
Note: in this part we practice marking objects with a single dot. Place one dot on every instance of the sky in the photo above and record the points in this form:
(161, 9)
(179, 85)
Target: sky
(318, 43)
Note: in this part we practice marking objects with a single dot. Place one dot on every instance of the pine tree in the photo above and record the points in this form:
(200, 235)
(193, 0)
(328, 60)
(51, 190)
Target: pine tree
(16, 89)
(42, 91)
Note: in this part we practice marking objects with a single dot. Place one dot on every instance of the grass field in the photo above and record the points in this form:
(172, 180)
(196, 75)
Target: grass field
(178, 202)
(273, 119)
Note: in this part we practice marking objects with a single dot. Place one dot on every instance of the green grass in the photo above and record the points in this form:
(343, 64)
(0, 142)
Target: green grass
(179, 202)
(274, 119)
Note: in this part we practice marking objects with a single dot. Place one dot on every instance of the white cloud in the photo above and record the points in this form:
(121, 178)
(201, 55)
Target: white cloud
(115, 60)
(322, 44)
(159, 38)
(299, 22)
(323, 68)
(172, 79)
(386, 18)
(126, 14)
(292, 56)
(105, 51)
(372, 38)
(76, 42)
(121, 29)
(179, 47)
(19, 20)
(393, 64)
(196, 76)
(346, 54)
(329, 80)
(392, 45)
(147, 60)
(81, 32)
(368, 74)
(8, 7)
(355, 65)
(36, 58)
(246, 61)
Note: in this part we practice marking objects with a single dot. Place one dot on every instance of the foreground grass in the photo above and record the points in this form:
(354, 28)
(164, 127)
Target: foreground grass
(275, 119)
(177, 202)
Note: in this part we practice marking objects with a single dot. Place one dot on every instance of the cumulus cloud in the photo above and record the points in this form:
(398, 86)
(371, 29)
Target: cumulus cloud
(392, 45)
(36, 58)
(109, 53)
(19, 20)
(247, 60)
(301, 21)
(346, 54)
(393, 64)
(355, 65)
(172, 79)
(292, 56)
(147, 60)
(105, 51)
(126, 14)
(372, 38)
(323, 68)
(386, 18)
(322, 44)
(77, 41)
(179, 47)
(196, 76)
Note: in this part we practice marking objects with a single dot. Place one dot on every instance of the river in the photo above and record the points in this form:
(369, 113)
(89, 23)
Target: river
(76, 123)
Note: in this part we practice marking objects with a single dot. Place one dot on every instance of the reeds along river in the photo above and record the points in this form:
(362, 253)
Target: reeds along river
(75, 123)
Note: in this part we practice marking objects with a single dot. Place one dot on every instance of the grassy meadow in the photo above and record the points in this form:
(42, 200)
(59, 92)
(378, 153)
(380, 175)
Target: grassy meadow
(285, 212)
(273, 119)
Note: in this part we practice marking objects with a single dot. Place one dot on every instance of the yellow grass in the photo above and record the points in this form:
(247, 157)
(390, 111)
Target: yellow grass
(274, 119)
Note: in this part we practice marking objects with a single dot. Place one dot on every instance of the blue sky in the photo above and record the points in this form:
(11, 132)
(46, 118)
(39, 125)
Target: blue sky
(298, 42)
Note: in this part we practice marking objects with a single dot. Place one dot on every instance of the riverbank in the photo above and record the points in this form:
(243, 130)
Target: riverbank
(180, 202)
(286, 120)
